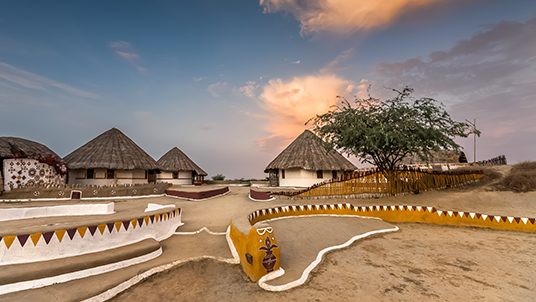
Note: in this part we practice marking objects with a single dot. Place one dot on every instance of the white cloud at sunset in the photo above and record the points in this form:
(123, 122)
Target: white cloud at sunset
(344, 16)
(290, 103)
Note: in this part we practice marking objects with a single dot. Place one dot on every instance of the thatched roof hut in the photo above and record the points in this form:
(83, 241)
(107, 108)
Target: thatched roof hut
(15, 147)
(309, 152)
(176, 160)
(437, 157)
(110, 150)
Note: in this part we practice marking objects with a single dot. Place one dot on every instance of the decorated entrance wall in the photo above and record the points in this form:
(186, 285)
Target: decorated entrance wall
(20, 172)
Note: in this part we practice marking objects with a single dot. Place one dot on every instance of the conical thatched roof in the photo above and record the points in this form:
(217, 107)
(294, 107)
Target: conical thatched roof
(309, 152)
(110, 150)
(15, 147)
(176, 160)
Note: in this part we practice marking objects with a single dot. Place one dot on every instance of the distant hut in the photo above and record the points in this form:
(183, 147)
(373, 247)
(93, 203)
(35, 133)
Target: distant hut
(28, 163)
(110, 158)
(305, 162)
(440, 160)
(178, 169)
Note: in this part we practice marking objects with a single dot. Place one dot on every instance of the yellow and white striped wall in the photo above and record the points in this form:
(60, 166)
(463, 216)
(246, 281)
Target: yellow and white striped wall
(402, 213)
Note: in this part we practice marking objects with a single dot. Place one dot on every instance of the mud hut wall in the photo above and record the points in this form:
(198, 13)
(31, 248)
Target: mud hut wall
(296, 177)
(184, 177)
(20, 172)
(122, 177)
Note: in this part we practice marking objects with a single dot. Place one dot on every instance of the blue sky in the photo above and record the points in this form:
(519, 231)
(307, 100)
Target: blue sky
(232, 82)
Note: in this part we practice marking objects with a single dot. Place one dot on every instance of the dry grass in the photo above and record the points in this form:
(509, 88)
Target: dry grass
(489, 176)
(522, 178)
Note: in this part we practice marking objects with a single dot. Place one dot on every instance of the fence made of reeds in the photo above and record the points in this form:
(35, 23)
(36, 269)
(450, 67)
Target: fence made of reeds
(392, 183)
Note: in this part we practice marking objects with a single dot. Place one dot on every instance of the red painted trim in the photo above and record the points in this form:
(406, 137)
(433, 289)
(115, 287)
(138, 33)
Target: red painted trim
(198, 195)
(257, 195)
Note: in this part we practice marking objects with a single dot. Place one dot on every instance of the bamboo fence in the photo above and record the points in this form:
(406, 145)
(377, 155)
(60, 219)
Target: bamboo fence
(398, 182)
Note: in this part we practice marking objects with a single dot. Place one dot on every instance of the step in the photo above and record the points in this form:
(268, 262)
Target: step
(16, 273)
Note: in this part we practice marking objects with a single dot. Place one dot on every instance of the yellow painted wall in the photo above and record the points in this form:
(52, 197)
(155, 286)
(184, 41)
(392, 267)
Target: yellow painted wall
(403, 213)
(251, 243)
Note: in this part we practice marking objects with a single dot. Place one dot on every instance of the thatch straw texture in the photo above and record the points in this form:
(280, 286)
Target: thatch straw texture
(437, 157)
(15, 147)
(110, 150)
(309, 152)
(175, 160)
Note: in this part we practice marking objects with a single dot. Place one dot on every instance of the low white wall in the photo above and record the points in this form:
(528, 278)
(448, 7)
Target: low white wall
(155, 206)
(302, 178)
(65, 210)
(106, 236)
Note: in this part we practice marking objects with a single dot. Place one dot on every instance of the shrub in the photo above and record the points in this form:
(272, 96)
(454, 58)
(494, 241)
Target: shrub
(218, 177)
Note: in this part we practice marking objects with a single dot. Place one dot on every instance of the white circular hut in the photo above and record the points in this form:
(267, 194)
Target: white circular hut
(305, 162)
(109, 159)
(178, 169)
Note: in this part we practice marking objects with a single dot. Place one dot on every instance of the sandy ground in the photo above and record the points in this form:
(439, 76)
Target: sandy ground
(302, 238)
(420, 261)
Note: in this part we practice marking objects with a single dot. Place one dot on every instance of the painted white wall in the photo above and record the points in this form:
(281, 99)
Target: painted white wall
(184, 178)
(65, 210)
(155, 206)
(303, 178)
(88, 244)
(28, 172)
(122, 177)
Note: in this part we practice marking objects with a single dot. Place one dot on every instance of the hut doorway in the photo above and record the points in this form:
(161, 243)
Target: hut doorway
(273, 178)
(151, 176)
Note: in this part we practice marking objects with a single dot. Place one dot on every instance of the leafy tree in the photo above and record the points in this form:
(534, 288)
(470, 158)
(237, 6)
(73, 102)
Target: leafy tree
(218, 177)
(383, 132)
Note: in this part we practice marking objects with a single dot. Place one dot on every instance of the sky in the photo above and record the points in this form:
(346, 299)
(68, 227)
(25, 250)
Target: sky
(232, 83)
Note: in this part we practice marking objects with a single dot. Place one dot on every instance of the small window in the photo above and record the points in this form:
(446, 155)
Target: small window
(175, 175)
(333, 174)
(319, 174)
(90, 173)
(110, 174)
(283, 174)
(145, 174)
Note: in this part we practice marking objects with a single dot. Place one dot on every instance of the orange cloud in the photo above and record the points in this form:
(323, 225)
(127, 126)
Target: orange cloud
(343, 16)
(290, 104)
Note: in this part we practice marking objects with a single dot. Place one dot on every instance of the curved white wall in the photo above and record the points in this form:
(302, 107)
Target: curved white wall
(66, 210)
(84, 242)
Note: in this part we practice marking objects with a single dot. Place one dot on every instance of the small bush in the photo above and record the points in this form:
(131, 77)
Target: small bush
(218, 177)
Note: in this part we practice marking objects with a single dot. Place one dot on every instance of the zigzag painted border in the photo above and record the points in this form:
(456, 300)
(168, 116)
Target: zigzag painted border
(401, 213)
(118, 225)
